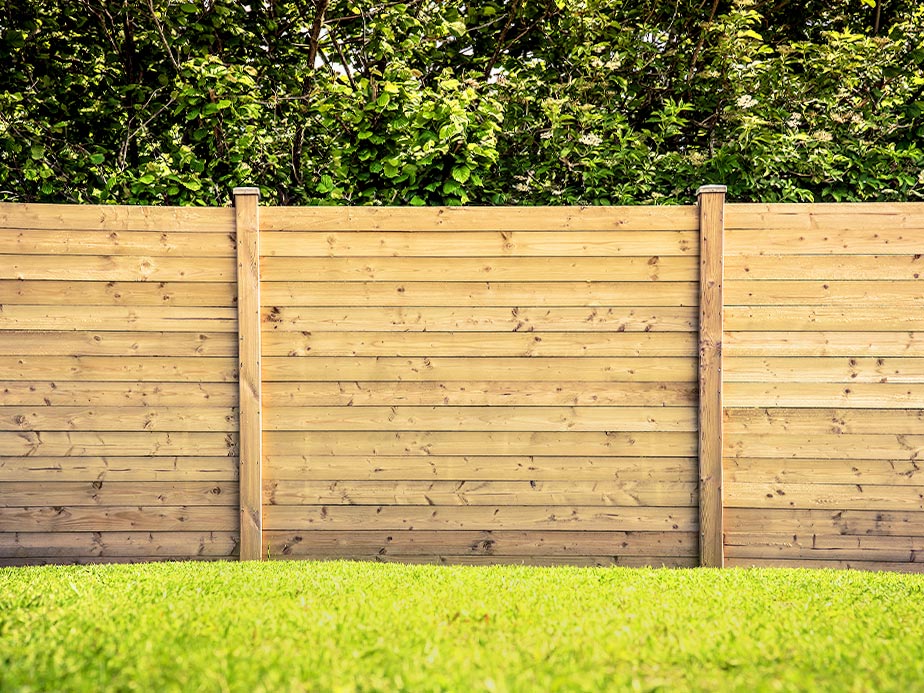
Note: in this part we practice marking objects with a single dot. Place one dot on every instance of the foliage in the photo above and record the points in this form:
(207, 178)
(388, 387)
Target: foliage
(445, 102)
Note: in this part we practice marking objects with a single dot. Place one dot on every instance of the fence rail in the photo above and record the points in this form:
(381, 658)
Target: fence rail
(716, 384)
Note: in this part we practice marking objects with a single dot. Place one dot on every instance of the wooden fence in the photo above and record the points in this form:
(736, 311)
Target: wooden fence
(465, 385)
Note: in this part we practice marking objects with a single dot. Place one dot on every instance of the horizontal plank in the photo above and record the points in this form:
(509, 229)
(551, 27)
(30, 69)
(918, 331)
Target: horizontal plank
(120, 518)
(412, 219)
(108, 394)
(281, 467)
(822, 496)
(826, 446)
(97, 560)
(743, 422)
(45, 418)
(121, 443)
(825, 522)
(536, 293)
(200, 369)
(118, 268)
(118, 318)
(332, 543)
(864, 317)
(505, 243)
(115, 468)
(793, 343)
(856, 216)
(98, 343)
(100, 493)
(877, 236)
(743, 369)
(478, 393)
(535, 561)
(828, 564)
(616, 319)
(622, 269)
(116, 217)
(825, 267)
(438, 493)
(828, 293)
(477, 418)
(802, 394)
(111, 243)
(824, 471)
(529, 344)
(444, 369)
(475, 517)
(660, 444)
(825, 547)
(139, 293)
(121, 544)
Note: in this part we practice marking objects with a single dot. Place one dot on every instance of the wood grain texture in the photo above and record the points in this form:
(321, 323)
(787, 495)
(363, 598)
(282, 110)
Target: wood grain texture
(99, 493)
(853, 343)
(45, 418)
(79, 317)
(116, 218)
(62, 545)
(39, 468)
(113, 243)
(89, 369)
(99, 343)
(117, 394)
(42, 518)
(116, 268)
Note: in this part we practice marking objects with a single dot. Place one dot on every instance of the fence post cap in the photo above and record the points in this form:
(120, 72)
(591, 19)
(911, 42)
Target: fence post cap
(246, 191)
(711, 189)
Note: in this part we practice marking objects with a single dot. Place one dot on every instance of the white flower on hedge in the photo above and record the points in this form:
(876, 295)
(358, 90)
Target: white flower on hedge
(521, 187)
(547, 135)
(591, 139)
(746, 101)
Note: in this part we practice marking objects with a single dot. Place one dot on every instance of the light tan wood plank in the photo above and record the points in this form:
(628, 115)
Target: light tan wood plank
(99, 493)
(823, 496)
(852, 343)
(825, 267)
(536, 561)
(330, 544)
(111, 243)
(493, 269)
(616, 319)
(82, 443)
(863, 317)
(128, 394)
(827, 293)
(120, 518)
(537, 293)
(117, 268)
(669, 444)
(120, 368)
(114, 468)
(821, 471)
(877, 236)
(118, 318)
(484, 517)
(504, 243)
(850, 395)
(538, 369)
(857, 216)
(509, 493)
(475, 418)
(528, 344)
(477, 393)
(97, 343)
(123, 544)
(45, 418)
(834, 445)
(33, 292)
(411, 219)
(116, 217)
(826, 522)
(742, 369)
(743, 422)
(280, 467)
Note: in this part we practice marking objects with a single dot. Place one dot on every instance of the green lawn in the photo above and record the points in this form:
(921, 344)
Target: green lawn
(353, 626)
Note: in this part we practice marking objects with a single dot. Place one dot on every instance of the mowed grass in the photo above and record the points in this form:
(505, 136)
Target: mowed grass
(363, 626)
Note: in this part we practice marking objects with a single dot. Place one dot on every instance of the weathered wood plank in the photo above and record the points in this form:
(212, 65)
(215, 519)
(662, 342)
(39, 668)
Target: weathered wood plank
(478, 393)
(398, 418)
(537, 369)
(32, 292)
(199, 369)
(800, 394)
(117, 268)
(125, 544)
(127, 394)
(826, 522)
(829, 446)
(113, 243)
(660, 444)
(116, 217)
(360, 319)
(45, 418)
(118, 468)
(120, 518)
(99, 493)
(827, 420)
(94, 560)
(118, 318)
(524, 344)
(281, 467)
(821, 471)
(410, 219)
(827, 564)
(510, 493)
(99, 343)
(121, 443)
(825, 547)
(853, 343)
(823, 496)
(538, 561)
(536, 293)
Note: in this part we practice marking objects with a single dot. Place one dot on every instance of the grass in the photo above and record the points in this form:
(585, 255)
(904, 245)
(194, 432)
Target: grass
(352, 626)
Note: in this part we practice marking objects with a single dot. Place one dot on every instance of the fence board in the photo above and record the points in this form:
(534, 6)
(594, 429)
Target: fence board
(98, 493)
(37, 468)
(109, 394)
(116, 218)
(117, 268)
(112, 243)
(45, 418)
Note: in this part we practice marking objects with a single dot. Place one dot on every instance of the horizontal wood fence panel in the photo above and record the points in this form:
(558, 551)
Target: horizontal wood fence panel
(108, 545)
(810, 496)
(119, 318)
(853, 343)
(121, 293)
(45, 418)
(103, 443)
(831, 445)
(120, 368)
(888, 268)
(42, 518)
(909, 294)
(116, 268)
(96, 493)
(829, 522)
(109, 243)
(39, 468)
(100, 343)
(817, 420)
(763, 470)
(877, 395)
(494, 269)
(116, 394)
(282, 467)
(116, 218)
(856, 216)
(885, 318)
(827, 239)
(744, 369)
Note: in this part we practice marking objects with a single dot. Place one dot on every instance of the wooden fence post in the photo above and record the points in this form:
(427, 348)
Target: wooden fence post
(711, 201)
(247, 217)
